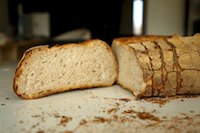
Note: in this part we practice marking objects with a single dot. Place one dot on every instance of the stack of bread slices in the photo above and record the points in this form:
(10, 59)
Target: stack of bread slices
(146, 65)
(159, 65)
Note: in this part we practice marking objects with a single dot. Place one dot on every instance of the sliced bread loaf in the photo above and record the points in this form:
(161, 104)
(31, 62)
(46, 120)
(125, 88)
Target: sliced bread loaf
(43, 71)
(158, 65)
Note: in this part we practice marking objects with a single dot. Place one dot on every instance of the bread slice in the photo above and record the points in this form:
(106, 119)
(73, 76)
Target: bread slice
(130, 74)
(169, 69)
(154, 53)
(43, 71)
(188, 62)
(139, 63)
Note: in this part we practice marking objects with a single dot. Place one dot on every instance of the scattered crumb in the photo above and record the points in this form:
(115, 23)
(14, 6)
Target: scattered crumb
(2, 104)
(164, 100)
(121, 99)
(115, 117)
(117, 104)
(128, 111)
(164, 117)
(65, 119)
(147, 116)
(67, 132)
(94, 97)
(21, 121)
(82, 122)
(7, 98)
(100, 119)
(182, 100)
(125, 99)
(191, 111)
(36, 116)
(160, 101)
(154, 111)
(113, 110)
(40, 131)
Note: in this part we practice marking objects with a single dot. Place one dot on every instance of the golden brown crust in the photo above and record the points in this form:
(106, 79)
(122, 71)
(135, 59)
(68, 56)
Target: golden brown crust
(188, 63)
(138, 39)
(29, 52)
(66, 89)
(169, 74)
(22, 63)
(184, 70)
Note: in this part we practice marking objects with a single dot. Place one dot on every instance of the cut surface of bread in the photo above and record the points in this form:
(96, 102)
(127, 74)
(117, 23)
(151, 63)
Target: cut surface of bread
(137, 59)
(129, 70)
(43, 71)
(158, 65)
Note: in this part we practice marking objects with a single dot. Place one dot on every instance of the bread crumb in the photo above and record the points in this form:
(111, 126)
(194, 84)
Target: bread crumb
(67, 132)
(160, 101)
(82, 122)
(65, 119)
(147, 116)
(128, 111)
(100, 119)
(112, 110)
(40, 131)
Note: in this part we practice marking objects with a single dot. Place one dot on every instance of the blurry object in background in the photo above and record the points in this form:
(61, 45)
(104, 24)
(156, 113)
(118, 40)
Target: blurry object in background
(77, 34)
(37, 25)
(196, 26)
(5, 26)
(138, 9)
(101, 17)
(132, 17)
(4, 39)
(193, 17)
(164, 17)
(20, 22)
(14, 49)
(126, 27)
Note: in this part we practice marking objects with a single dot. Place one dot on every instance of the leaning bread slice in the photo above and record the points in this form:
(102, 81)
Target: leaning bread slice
(154, 53)
(134, 68)
(43, 71)
(169, 69)
(140, 64)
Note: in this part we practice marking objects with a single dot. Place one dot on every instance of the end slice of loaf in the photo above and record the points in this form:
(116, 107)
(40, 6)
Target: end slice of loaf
(43, 71)
(139, 64)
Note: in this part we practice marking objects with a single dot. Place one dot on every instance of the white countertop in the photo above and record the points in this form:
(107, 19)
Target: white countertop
(105, 109)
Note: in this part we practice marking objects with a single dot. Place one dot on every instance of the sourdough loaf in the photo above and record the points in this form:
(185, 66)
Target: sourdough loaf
(158, 65)
(43, 71)
(187, 51)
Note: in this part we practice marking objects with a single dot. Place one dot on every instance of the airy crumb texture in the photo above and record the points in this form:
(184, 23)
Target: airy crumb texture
(44, 71)
(130, 72)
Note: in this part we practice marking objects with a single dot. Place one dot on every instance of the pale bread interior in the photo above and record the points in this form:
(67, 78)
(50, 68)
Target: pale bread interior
(62, 68)
(130, 74)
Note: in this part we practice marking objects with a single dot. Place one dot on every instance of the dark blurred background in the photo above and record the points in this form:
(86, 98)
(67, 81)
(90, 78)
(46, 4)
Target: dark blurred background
(101, 17)
(26, 23)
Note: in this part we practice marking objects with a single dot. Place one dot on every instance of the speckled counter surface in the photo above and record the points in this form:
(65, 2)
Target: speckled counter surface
(105, 109)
